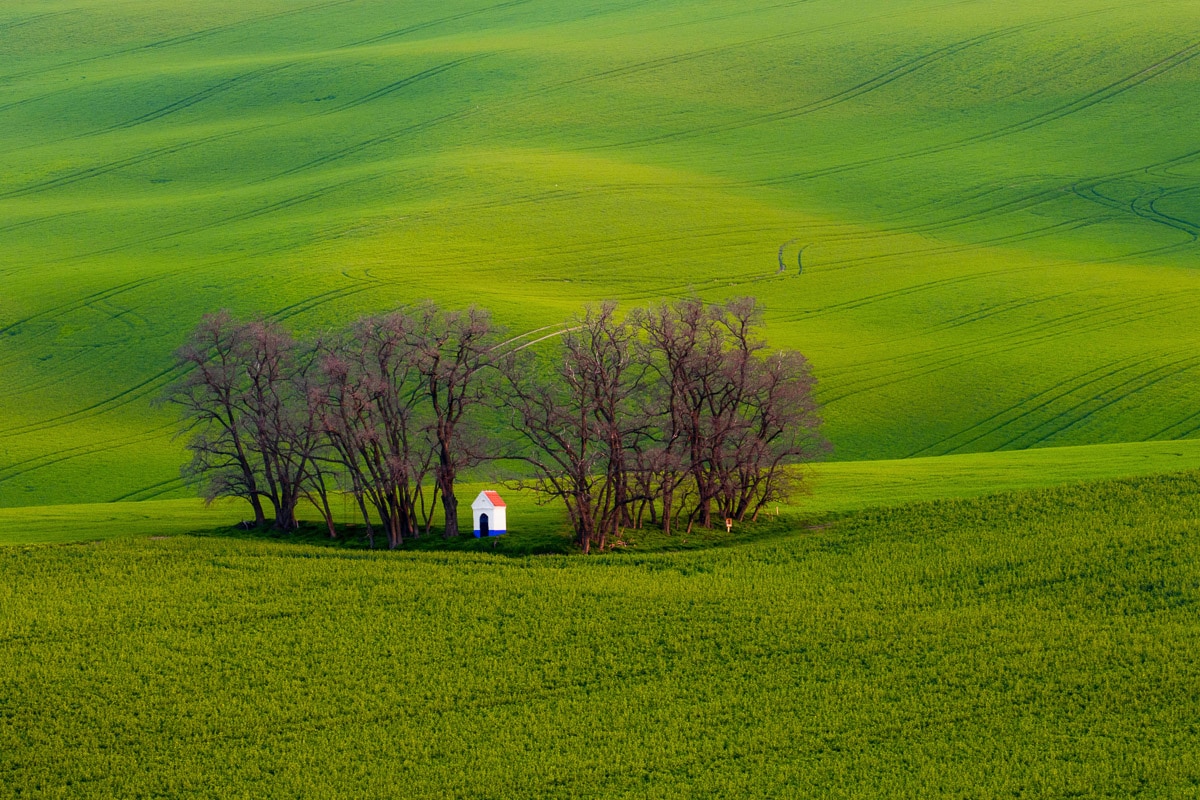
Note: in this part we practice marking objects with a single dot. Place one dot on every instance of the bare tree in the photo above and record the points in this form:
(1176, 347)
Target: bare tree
(243, 397)
(729, 418)
(677, 412)
(369, 410)
(777, 426)
(452, 350)
(686, 346)
(210, 397)
(279, 375)
(580, 421)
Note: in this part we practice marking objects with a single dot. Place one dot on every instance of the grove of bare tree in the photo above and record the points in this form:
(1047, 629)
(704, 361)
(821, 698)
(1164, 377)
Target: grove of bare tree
(673, 415)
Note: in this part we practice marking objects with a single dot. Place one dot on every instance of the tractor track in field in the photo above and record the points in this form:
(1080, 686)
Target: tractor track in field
(675, 59)
(37, 221)
(979, 315)
(986, 213)
(1076, 414)
(187, 102)
(373, 142)
(62, 376)
(150, 492)
(23, 21)
(1138, 206)
(433, 23)
(845, 232)
(858, 302)
(126, 396)
(903, 291)
(748, 12)
(1161, 67)
(25, 466)
(938, 226)
(1023, 410)
(230, 83)
(1095, 317)
(1138, 255)
(957, 354)
(930, 228)
(605, 191)
(24, 101)
(270, 208)
(616, 248)
(75, 176)
(1188, 433)
(405, 82)
(306, 305)
(317, 300)
(1185, 225)
(957, 248)
(939, 359)
(1078, 188)
(965, 354)
(1086, 189)
(700, 286)
(1184, 434)
(173, 41)
(879, 81)
(187, 38)
(82, 302)
(157, 381)
(620, 246)
(461, 114)
(1060, 391)
(117, 313)
(987, 313)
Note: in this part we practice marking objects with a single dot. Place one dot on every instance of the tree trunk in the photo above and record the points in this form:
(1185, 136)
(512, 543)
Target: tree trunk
(285, 514)
(328, 512)
(450, 509)
(437, 493)
(362, 506)
(260, 518)
(277, 509)
(667, 511)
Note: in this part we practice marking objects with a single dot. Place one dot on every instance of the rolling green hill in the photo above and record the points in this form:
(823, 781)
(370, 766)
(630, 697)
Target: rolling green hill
(996, 205)
(1039, 644)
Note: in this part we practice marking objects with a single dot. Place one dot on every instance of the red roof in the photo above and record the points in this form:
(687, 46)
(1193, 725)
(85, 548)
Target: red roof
(495, 498)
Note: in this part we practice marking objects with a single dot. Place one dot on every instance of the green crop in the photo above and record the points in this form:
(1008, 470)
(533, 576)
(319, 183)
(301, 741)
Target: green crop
(996, 203)
(836, 488)
(1038, 644)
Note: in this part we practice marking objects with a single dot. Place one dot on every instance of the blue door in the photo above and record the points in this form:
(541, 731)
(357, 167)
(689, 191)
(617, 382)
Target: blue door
(483, 526)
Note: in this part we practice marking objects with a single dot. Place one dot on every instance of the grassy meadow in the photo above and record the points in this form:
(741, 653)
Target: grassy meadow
(978, 220)
(1041, 644)
(833, 489)
(995, 205)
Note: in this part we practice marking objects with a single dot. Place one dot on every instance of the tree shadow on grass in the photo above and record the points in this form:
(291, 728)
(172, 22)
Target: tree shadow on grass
(540, 540)
(354, 537)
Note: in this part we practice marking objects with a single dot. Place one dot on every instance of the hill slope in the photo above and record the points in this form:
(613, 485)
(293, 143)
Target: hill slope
(995, 205)
(1038, 644)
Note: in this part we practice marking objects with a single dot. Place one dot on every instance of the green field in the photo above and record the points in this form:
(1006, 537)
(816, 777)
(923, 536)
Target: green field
(1024, 645)
(834, 489)
(996, 207)
(998, 203)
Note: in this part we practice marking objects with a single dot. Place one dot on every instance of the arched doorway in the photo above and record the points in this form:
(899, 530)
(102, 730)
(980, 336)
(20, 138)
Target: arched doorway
(483, 526)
